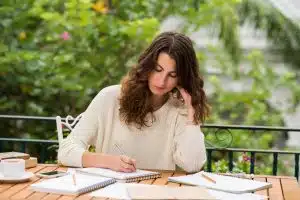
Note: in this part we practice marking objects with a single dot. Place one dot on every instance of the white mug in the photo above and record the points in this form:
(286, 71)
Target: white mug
(12, 167)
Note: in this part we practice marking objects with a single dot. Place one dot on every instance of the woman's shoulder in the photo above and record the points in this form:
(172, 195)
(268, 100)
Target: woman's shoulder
(109, 93)
(111, 90)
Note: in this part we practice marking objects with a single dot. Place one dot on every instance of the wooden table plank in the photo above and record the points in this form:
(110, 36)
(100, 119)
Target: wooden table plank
(164, 178)
(172, 184)
(84, 197)
(34, 196)
(275, 193)
(290, 189)
(262, 192)
(51, 197)
(66, 197)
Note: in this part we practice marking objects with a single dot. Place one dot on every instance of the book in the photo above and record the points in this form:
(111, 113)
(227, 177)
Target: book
(65, 185)
(123, 191)
(31, 162)
(12, 154)
(222, 183)
(138, 175)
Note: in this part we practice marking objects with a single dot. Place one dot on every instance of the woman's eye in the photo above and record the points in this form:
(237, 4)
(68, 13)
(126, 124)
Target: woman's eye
(173, 75)
(158, 70)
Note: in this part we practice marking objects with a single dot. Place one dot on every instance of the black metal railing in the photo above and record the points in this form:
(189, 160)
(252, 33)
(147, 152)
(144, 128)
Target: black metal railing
(217, 129)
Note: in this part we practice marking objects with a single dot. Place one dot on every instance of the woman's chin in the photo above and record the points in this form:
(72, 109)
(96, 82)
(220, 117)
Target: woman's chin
(158, 93)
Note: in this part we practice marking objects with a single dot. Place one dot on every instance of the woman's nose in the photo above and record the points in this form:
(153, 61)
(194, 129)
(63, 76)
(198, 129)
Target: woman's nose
(161, 80)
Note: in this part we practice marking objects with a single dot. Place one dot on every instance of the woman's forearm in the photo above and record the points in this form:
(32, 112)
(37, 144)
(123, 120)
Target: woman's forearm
(90, 159)
(114, 162)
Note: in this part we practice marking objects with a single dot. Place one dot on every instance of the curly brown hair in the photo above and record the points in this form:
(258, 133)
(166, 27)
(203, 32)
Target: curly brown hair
(135, 102)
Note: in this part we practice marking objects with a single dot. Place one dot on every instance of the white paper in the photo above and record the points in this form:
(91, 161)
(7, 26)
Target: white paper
(114, 191)
(223, 183)
(119, 191)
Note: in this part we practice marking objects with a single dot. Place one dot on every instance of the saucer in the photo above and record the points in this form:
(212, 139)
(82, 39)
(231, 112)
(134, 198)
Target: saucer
(25, 177)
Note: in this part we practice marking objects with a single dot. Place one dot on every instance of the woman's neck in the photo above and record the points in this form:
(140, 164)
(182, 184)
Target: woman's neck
(158, 101)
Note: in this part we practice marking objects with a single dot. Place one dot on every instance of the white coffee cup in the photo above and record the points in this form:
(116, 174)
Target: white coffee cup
(12, 167)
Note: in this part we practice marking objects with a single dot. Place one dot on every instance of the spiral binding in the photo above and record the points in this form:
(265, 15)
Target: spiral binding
(97, 186)
(141, 178)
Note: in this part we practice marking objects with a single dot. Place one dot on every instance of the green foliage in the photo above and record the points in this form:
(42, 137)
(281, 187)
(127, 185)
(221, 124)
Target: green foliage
(56, 55)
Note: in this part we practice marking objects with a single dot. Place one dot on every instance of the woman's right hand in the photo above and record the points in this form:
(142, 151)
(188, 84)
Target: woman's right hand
(121, 163)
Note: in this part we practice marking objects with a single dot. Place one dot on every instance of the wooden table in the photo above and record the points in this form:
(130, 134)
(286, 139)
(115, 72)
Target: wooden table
(284, 188)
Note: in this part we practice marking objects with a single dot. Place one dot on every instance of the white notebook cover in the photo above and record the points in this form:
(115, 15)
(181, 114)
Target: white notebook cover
(120, 176)
(223, 183)
(65, 185)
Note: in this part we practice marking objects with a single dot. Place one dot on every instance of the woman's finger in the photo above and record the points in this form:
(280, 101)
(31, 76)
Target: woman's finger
(127, 166)
(128, 160)
(185, 95)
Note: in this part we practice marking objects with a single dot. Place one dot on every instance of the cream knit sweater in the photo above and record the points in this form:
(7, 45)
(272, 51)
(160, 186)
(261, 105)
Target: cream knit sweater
(165, 144)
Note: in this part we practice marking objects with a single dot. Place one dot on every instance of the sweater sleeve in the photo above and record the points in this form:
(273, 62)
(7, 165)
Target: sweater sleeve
(84, 134)
(189, 148)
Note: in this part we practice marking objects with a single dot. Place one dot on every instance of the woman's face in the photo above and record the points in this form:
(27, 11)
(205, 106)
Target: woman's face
(163, 78)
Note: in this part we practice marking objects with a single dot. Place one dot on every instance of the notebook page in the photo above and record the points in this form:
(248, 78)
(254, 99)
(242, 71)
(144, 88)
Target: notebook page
(114, 191)
(138, 191)
(65, 185)
(223, 183)
(116, 175)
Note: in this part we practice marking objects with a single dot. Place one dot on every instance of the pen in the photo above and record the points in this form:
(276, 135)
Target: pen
(208, 178)
(74, 178)
(121, 151)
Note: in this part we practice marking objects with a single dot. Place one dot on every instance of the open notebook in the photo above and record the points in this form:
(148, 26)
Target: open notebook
(223, 183)
(65, 185)
(127, 191)
(138, 175)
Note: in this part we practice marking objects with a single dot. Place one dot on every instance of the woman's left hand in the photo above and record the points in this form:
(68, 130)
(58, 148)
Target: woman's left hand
(186, 97)
(188, 102)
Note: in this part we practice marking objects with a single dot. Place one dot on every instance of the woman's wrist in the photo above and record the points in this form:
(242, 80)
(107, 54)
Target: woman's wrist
(191, 113)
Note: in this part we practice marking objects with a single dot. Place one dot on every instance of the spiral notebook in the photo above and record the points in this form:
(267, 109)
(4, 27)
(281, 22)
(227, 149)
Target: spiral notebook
(138, 175)
(65, 185)
(222, 183)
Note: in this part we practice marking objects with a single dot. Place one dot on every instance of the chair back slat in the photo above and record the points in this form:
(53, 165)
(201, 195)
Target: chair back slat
(69, 122)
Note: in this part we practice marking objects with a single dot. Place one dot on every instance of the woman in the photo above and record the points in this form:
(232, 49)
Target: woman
(151, 121)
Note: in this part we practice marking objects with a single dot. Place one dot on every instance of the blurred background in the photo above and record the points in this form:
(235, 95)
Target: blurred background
(55, 56)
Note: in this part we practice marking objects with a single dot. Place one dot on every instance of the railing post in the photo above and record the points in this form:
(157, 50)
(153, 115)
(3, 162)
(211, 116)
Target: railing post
(252, 162)
(43, 154)
(275, 163)
(208, 164)
(297, 166)
(230, 163)
(23, 147)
